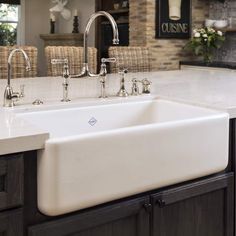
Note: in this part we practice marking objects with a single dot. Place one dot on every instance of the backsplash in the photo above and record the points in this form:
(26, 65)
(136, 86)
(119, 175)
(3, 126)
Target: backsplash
(219, 10)
(166, 53)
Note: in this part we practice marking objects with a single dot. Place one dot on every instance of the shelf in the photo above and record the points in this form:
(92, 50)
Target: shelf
(62, 39)
(119, 11)
(225, 30)
(64, 36)
(216, 64)
(229, 30)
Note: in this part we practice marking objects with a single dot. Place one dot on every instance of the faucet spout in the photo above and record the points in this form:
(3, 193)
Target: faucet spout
(27, 60)
(85, 70)
(9, 95)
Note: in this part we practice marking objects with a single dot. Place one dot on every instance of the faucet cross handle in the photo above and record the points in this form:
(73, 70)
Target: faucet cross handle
(135, 88)
(146, 86)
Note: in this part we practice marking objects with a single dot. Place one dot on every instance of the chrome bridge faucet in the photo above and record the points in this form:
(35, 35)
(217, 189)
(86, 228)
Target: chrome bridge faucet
(10, 97)
(66, 76)
(85, 69)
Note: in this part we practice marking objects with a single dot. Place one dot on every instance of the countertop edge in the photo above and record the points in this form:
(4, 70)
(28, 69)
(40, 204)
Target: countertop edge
(23, 143)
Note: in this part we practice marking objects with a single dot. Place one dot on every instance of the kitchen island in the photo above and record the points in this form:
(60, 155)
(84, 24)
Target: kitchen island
(206, 203)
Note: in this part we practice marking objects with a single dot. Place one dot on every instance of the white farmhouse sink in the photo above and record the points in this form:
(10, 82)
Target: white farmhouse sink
(96, 154)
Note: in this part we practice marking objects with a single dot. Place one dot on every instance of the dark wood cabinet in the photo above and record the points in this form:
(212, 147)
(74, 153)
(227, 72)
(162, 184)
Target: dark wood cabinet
(202, 208)
(11, 223)
(232, 158)
(11, 181)
(128, 218)
(198, 208)
(11, 194)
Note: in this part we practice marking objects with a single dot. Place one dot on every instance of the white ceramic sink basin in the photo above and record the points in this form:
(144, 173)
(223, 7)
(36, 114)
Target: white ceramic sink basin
(96, 154)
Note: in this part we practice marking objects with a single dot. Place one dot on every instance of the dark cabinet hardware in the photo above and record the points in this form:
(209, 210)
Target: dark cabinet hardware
(148, 207)
(161, 203)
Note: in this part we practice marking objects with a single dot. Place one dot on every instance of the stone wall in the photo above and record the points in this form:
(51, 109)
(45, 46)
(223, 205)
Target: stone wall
(219, 11)
(165, 54)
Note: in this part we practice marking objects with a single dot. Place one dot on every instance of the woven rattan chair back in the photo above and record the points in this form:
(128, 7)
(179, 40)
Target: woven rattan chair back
(18, 62)
(74, 56)
(135, 59)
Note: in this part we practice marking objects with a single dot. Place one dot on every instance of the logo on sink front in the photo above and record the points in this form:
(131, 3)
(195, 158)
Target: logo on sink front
(92, 121)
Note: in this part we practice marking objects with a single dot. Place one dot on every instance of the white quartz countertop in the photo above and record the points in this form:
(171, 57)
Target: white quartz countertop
(203, 87)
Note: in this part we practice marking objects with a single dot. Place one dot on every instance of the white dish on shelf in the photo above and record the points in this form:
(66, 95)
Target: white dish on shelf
(209, 22)
(220, 24)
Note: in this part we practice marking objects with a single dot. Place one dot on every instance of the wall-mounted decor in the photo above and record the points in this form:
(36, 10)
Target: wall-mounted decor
(60, 6)
(173, 19)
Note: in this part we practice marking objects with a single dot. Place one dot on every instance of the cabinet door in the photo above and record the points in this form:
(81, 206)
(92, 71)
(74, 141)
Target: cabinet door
(204, 208)
(129, 218)
(11, 223)
(11, 181)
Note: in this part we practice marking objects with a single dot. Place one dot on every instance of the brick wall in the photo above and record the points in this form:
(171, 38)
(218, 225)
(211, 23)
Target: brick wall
(165, 54)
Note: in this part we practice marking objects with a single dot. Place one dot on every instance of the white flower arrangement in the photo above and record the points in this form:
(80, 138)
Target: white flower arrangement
(204, 41)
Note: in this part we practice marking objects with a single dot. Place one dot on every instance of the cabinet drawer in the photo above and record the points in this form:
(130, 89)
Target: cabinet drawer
(11, 223)
(11, 181)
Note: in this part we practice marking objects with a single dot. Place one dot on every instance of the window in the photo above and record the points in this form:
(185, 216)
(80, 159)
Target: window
(9, 17)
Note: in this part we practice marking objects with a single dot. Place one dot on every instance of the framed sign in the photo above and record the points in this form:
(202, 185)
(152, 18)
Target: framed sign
(173, 19)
